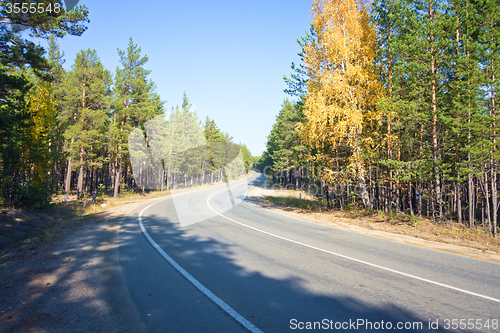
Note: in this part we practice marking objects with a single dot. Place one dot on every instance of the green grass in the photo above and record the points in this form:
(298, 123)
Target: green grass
(290, 201)
(352, 210)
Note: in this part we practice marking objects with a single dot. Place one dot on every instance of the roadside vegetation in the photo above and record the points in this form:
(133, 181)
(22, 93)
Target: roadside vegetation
(314, 209)
(395, 117)
(64, 134)
(67, 131)
(26, 229)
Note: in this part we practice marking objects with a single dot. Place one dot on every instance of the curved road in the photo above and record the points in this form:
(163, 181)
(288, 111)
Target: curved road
(251, 269)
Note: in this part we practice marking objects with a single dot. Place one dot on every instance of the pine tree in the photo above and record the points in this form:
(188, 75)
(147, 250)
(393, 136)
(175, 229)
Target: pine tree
(86, 113)
(490, 55)
(414, 45)
(284, 146)
(247, 157)
(135, 102)
(297, 83)
(16, 82)
(465, 105)
(212, 135)
(56, 60)
(194, 149)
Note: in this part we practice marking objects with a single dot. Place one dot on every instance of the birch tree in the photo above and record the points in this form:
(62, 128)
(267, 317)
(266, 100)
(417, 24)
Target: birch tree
(342, 91)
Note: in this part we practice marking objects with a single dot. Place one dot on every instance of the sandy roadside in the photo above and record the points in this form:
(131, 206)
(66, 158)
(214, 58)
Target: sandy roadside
(256, 194)
(61, 286)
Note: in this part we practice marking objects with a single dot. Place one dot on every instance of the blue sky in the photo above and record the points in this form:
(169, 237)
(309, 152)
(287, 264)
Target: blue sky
(229, 56)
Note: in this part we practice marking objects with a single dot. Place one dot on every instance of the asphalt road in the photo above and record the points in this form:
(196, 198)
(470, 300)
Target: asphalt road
(194, 263)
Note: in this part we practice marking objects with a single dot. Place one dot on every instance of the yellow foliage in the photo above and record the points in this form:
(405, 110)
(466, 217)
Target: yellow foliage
(42, 109)
(342, 89)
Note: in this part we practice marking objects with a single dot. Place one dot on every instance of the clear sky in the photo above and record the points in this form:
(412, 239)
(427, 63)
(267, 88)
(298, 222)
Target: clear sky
(229, 56)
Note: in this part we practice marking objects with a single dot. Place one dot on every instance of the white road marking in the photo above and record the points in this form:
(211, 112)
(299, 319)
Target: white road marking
(251, 327)
(353, 259)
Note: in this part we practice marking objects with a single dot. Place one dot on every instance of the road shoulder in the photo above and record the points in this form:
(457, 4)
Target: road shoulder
(72, 283)
(256, 193)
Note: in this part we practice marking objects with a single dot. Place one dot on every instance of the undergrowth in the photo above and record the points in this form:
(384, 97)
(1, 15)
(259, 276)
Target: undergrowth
(392, 221)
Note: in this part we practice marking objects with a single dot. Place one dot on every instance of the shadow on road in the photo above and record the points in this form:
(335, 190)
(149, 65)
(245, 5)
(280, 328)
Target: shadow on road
(78, 285)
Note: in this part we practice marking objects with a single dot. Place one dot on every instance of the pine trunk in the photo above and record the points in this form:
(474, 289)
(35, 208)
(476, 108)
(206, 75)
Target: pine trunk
(470, 183)
(118, 173)
(494, 198)
(67, 182)
(487, 200)
(80, 175)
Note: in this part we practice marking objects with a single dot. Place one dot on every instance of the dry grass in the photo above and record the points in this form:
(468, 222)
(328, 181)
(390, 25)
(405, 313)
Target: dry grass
(398, 223)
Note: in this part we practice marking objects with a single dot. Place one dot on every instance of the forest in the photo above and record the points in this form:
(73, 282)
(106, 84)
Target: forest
(67, 131)
(394, 109)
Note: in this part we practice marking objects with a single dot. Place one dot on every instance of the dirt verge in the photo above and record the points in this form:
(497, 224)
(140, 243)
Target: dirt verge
(446, 237)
